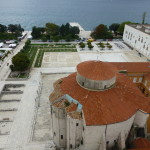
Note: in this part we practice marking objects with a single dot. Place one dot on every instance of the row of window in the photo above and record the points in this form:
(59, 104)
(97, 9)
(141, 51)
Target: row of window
(135, 79)
(61, 136)
(140, 39)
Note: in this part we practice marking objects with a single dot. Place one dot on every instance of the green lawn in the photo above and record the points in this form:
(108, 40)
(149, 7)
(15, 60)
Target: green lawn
(54, 45)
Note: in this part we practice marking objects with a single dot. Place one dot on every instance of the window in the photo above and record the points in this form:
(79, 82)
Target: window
(140, 79)
(139, 39)
(61, 136)
(83, 128)
(140, 132)
(107, 142)
(82, 83)
(70, 145)
(54, 134)
(77, 124)
(134, 79)
(142, 41)
(82, 141)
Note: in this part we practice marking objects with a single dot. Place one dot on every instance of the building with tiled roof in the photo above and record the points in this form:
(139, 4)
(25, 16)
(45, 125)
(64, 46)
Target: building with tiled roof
(140, 144)
(138, 37)
(96, 107)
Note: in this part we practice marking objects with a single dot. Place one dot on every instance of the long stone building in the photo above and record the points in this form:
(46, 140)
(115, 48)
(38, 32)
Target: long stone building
(99, 107)
(138, 37)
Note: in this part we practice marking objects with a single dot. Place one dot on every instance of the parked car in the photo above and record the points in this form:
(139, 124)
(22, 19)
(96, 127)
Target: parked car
(1, 45)
(12, 45)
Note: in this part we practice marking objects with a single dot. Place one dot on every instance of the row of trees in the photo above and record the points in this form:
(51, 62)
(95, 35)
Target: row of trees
(82, 45)
(103, 32)
(20, 61)
(54, 32)
(10, 32)
(102, 45)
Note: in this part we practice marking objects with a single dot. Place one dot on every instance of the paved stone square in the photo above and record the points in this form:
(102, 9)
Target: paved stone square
(42, 129)
(111, 56)
(60, 59)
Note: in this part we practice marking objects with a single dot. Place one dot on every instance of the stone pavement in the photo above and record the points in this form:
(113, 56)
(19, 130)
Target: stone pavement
(21, 133)
(60, 59)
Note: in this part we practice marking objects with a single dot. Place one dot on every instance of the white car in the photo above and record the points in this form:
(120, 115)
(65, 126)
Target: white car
(12, 45)
(1, 45)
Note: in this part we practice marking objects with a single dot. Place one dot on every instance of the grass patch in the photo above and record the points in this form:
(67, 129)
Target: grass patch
(39, 59)
(23, 75)
(54, 45)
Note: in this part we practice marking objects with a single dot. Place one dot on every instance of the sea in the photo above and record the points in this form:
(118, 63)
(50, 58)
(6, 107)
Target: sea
(88, 13)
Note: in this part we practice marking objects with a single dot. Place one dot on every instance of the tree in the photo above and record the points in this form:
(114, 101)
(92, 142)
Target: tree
(37, 32)
(68, 37)
(102, 46)
(67, 28)
(90, 46)
(56, 38)
(122, 25)
(114, 27)
(74, 30)
(28, 42)
(43, 38)
(51, 29)
(107, 43)
(82, 45)
(143, 18)
(20, 62)
(3, 28)
(62, 30)
(17, 29)
(109, 46)
(101, 32)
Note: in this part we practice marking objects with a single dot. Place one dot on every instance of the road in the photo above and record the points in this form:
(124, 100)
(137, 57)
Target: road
(4, 69)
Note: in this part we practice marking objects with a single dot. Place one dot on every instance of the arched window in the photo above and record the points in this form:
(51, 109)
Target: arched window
(142, 40)
(139, 39)
(147, 48)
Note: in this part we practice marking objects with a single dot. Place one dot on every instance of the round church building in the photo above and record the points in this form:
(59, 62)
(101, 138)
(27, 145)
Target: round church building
(97, 76)
(96, 108)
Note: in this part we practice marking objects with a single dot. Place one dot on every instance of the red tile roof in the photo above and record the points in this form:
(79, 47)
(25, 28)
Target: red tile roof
(141, 143)
(110, 106)
(97, 70)
(135, 67)
(147, 76)
(140, 149)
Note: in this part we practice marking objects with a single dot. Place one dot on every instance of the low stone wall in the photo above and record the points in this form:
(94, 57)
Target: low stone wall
(17, 79)
(14, 92)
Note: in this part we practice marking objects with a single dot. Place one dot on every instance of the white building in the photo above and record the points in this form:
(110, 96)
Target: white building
(96, 108)
(138, 37)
